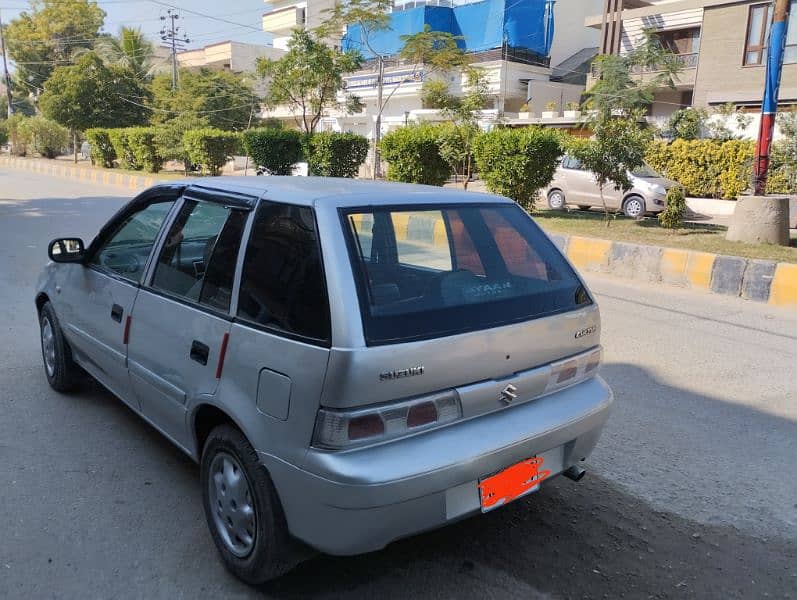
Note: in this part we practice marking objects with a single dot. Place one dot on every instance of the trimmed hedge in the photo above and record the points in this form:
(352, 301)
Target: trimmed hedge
(44, 136)
(276, 150)
(518, 162)
(413, 155)
(211, 148)
(101, 148)
(144, 148)
(332, 154)
(122, 149)
(705, 168)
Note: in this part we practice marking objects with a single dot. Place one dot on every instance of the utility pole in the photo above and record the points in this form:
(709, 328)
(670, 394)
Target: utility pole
(380, 78)
(171, 33)
(769, 106)
(6, 76)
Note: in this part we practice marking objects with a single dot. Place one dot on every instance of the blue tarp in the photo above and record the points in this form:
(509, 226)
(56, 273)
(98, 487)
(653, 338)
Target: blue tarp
(483, 25)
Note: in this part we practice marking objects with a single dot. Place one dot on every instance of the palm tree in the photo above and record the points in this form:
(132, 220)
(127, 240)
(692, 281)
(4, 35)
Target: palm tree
(129, 49)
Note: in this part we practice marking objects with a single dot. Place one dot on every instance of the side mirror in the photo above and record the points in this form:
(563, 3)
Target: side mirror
(66, 250)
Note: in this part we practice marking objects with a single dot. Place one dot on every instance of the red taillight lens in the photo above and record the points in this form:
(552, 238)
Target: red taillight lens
(422, 414)
(365, 427)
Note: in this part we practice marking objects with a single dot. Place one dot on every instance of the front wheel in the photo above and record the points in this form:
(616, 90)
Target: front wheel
(63, 374)
(634, 207)
(242, 509)
(556, 200)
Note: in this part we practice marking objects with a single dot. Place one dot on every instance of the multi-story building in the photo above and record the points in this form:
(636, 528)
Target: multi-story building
(515, 41)
(228, 56)
(721, 44)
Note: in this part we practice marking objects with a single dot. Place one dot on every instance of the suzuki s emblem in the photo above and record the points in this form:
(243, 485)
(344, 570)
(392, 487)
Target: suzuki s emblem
(509, 393)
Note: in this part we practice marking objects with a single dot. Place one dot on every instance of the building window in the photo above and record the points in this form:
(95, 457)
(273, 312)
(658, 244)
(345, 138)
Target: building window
(755, 50)
(681, 41)
(790, 54)
(758, 22)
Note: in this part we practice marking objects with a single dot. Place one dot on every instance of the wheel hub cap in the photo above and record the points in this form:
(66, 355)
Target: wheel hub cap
(232, 504)
(48, 347)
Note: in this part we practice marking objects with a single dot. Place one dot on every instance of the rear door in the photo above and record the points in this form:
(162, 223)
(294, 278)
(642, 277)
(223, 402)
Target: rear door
(581, 186)
(181, 319)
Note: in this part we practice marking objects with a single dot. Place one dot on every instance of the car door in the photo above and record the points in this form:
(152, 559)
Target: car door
(181, 317)
(581, 186)
(99, 296)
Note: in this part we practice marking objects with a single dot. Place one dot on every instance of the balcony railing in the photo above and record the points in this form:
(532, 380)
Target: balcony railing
(687, 61)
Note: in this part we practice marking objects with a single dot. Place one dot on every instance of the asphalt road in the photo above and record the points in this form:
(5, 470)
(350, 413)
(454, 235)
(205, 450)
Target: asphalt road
(692, 491)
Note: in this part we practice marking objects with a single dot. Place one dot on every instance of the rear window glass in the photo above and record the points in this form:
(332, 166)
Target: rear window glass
(427, 272)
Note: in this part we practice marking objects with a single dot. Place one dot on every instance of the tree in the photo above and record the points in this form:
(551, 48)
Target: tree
(130, 49)
(687, 123)
(45, 37)
(617, 146)
(225, 99)
(627, 82)
(308, 78)
(21, 105)
(90, 94)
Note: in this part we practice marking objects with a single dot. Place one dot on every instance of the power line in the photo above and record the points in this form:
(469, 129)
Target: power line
(171, 33)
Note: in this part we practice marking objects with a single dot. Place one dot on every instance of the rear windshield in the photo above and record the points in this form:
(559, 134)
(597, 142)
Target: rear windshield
(433, 271)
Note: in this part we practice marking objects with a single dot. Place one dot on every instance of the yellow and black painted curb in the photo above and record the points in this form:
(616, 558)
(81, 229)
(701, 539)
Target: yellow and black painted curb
(86, 174)
(758, 280)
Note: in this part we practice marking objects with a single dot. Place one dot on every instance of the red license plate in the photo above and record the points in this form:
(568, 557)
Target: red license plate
(511, 483)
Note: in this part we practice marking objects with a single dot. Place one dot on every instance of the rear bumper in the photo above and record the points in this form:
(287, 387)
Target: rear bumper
(360, 500)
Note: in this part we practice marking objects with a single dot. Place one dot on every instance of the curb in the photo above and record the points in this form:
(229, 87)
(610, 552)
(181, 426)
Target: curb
(90, 175)
(752, 279)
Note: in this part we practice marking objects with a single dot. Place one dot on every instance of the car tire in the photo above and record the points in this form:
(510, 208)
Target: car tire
(634, 207)
(63, 373)
(584, 207)
(556, 200)
(228, 460)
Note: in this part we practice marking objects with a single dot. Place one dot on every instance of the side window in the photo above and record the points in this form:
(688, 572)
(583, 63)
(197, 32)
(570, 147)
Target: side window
(197, 261)
(422, 240)
(282, 285)
(126, 251)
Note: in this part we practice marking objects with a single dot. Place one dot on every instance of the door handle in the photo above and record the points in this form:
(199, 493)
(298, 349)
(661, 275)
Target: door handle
(117, 312)
(199, 352)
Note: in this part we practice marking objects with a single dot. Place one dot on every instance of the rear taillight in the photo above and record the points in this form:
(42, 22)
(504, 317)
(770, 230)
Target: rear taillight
(339, 429)
(570, 371)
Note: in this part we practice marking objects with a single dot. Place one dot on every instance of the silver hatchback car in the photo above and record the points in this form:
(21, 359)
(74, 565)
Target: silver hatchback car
(349, 362)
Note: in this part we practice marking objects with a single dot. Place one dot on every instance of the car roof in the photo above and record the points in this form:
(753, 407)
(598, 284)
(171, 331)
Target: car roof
(337, 190)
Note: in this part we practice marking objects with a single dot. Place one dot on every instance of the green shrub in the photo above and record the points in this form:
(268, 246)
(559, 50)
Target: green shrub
(276, 150)
(122, 149)
(413, 155)
(3, 134)
(44, 136)
(782, 177)
(101, 148)
(332, 154)
(211, 148)
(144, 149)
(705, 168)
(169, 136)
(672, 217)
(518, 162)
(18, 144)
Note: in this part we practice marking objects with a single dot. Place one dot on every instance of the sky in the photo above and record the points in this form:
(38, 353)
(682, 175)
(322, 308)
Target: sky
(223, 20)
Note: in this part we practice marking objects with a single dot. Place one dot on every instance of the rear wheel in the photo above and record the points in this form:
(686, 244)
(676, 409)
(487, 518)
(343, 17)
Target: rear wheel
(63, 374)
(556, 200)
(634, 207)
(242, 509)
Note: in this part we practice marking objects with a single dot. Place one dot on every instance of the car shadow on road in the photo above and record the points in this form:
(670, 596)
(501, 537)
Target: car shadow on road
(581, 540)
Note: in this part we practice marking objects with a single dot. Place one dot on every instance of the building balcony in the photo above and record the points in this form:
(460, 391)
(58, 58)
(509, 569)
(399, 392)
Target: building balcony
(284, 20)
